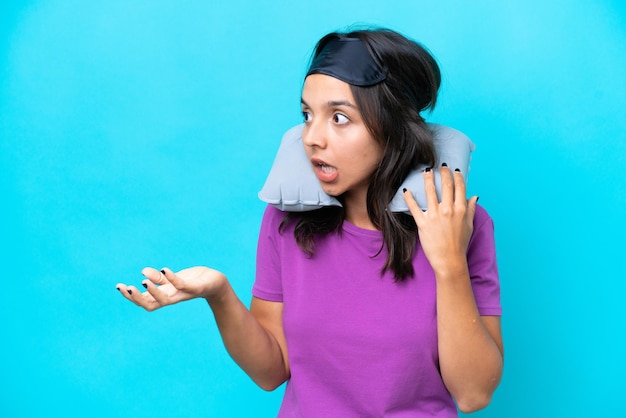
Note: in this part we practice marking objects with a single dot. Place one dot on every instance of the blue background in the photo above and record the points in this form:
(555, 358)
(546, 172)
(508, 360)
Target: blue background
(138, 133)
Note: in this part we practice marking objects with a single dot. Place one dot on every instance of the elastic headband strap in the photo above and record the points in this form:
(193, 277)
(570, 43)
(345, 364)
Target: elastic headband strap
(348, 60)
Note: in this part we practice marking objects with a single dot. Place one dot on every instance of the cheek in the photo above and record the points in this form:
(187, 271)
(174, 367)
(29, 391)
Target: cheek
(365, 163)
(371, 154)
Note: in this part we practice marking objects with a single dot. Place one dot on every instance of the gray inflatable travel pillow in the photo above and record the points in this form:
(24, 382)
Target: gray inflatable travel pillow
(293, 187)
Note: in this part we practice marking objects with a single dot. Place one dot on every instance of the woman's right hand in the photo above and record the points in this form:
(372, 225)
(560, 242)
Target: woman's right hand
(167, 288)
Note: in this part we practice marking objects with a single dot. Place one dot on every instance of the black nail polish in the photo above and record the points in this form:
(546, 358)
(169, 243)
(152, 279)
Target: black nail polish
(444, 164)
(404, 190)
(477, 197)
(458, 170)
(144, 285)
(118, 289)
(163, 271)
(130, 292)
(427, 170)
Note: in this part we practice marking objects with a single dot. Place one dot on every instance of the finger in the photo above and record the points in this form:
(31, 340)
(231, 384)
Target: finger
(143, 299)
(471, 209)
(412, 204)
(447, 185)
(155, 292)
(172, 278)
(140, 299)
(430, 189)
(459, 188)
(155, 276)
(133, 294)
(129, 292)
(125, 291)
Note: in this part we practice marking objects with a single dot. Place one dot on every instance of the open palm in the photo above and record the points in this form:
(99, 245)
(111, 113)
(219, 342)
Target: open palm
(167, 288)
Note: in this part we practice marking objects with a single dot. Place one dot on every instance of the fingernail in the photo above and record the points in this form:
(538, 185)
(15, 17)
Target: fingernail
(130, 292)
(458, 170)
(118, 289)
(404, 190)
(444, 164)
(163, 271)
(427, 170)
(144, 285)
(477, 197)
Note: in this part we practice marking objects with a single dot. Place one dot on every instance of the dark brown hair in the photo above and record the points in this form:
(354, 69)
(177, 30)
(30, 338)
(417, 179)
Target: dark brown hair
(391, 111)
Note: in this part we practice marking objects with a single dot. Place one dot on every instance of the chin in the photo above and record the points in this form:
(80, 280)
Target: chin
(332, 191)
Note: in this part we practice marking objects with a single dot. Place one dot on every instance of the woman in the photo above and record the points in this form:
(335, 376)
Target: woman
(364, 312)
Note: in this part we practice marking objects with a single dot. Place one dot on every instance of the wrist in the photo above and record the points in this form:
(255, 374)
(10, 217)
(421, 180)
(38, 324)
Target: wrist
(452, 269)
(220, 294)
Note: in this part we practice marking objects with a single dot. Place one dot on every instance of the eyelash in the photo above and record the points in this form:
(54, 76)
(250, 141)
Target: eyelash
(336, 115)
(307, 115)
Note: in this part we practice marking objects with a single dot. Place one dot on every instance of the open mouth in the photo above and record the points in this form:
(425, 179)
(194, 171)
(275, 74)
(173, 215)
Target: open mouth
(326, 168)
(324, 172)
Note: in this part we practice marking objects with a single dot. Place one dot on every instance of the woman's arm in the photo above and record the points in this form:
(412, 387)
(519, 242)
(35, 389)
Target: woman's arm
(470, 346)
(254, 338)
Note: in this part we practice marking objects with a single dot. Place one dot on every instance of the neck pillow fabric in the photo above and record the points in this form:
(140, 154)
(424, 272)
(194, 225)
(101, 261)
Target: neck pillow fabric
(293, 187)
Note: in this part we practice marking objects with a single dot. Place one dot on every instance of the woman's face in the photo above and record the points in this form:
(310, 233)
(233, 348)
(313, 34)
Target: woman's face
(341, 150)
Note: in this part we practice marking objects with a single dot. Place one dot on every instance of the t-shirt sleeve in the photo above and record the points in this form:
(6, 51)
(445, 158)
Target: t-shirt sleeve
(483, 268)
(268, 283)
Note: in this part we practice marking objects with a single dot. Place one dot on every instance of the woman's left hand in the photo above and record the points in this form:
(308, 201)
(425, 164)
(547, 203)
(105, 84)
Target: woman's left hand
(445, 228)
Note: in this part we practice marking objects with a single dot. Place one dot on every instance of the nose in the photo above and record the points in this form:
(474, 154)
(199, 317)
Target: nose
(314, 135)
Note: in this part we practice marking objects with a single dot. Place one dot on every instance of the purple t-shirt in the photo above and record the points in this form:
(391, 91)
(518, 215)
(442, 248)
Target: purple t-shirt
(359, 344)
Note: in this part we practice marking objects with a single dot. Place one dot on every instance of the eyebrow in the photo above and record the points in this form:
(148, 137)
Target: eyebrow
(333, 103)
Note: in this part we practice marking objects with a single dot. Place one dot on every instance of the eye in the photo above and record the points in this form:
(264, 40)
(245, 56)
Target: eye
(340, 119)
(306, 116)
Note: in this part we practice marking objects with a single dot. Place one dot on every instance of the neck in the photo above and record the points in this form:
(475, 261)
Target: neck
(356, 211)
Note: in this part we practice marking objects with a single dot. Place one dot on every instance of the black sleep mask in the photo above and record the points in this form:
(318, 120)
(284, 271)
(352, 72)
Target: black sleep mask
(349, 60)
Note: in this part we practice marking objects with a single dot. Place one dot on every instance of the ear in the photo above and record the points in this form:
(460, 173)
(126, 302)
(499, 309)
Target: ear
(292, 186)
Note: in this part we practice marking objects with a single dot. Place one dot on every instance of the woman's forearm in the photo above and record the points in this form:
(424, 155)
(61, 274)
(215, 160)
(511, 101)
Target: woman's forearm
(253, 347)
(470, 350)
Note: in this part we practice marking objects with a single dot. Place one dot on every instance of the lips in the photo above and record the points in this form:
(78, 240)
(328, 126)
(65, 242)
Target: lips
(324, 172)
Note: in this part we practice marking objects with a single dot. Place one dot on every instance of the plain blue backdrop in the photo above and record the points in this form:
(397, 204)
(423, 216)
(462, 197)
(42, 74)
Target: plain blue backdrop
(138, 133)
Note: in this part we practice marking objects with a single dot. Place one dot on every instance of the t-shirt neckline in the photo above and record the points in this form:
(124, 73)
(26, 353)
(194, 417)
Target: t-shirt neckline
(355, 230)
